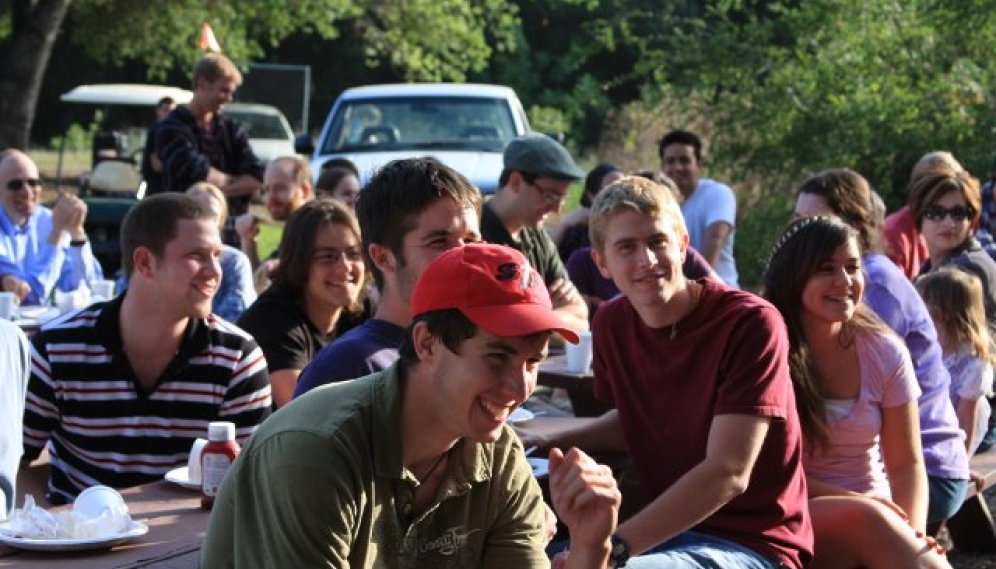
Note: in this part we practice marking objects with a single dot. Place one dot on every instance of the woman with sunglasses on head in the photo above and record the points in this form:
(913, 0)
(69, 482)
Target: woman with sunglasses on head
(315, 296)
(856, 394)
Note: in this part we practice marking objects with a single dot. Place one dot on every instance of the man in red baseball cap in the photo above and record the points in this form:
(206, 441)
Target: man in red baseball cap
(414, 466)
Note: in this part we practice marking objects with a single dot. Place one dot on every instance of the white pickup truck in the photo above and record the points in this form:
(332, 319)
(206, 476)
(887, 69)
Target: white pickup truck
(465, 126)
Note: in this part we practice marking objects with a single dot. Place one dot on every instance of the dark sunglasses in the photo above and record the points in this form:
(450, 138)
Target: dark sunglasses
(957, 213)
(17, 183)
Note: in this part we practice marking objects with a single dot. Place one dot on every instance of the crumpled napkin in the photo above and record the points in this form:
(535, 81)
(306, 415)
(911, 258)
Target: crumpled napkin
(32, 522)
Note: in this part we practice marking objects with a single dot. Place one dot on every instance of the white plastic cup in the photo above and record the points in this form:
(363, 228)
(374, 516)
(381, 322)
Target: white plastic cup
(94, 500)
(579, 355)
(8, 305)
(194, 461)
(103, 289)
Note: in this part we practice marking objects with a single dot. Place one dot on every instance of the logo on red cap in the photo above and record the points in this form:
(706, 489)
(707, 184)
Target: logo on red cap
(494, 286)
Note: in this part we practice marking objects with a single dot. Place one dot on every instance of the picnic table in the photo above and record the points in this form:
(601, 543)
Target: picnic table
(177, 525)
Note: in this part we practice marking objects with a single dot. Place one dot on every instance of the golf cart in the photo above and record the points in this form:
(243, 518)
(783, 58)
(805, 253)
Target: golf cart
(114, 182)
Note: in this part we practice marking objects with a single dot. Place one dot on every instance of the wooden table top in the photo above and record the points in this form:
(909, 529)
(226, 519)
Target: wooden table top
(177, 525)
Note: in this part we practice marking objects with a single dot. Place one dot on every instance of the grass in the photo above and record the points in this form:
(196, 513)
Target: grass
(74, 162)
(268, 239)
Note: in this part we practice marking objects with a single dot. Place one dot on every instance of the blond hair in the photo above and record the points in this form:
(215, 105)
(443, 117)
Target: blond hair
(205, 190)
(955, 300)
(633, 193)
(214, 66)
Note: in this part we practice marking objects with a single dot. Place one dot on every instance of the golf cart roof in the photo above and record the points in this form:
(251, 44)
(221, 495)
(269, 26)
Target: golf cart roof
(125, 94)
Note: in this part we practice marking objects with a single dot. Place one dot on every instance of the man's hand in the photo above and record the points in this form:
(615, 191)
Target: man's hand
(586, 498)
(68, 214)
(247, 226)
(15, 285)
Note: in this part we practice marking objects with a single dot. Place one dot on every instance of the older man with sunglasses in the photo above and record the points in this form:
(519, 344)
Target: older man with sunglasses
(41, 249)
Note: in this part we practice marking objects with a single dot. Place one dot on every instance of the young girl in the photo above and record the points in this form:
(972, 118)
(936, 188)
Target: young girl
(954, 299)
(856, 393)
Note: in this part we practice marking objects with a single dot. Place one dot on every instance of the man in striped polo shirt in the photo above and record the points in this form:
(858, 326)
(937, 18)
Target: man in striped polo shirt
(119, 390)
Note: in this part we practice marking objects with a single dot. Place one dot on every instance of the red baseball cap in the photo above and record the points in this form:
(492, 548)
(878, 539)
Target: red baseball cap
(494, 287)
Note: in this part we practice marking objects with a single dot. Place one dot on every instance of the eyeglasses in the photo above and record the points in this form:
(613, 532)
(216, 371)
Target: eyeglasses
(549, 196)
(328, 256)
(957, 213)
(17, 183)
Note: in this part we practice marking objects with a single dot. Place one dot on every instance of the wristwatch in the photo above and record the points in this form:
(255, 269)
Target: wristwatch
(619, 554)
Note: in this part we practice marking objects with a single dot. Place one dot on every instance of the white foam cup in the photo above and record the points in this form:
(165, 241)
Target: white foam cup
(194, 461)
(103, 289)
(579, 355)
(94, 500)
(8, 305)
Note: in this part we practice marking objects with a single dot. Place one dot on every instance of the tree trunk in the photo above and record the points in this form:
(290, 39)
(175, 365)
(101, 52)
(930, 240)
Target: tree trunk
(24, 57)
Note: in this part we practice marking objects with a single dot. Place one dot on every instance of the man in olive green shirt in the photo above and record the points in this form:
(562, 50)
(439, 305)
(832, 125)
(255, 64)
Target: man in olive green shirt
(414, 467)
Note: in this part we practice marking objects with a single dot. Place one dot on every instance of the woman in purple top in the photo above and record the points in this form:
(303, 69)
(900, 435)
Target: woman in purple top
(893, 298)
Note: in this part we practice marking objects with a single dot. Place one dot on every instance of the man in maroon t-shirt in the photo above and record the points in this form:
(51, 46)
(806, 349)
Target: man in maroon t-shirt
(699, 376)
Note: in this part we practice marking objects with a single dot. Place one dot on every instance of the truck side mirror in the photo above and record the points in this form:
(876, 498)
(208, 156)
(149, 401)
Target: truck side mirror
(304, 145)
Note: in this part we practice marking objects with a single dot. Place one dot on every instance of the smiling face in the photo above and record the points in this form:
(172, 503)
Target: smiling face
(214, 95)
(442, 226)
(539, 198)
(336, 274)
(284, 195)
(831, 293)
(680, 164)
(474, 391)
(188, 274)
(21, 186)
(643, 255)
(947, 233)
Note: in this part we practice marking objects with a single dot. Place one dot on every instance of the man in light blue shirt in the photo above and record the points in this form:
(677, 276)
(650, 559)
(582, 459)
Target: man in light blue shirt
(41, 249)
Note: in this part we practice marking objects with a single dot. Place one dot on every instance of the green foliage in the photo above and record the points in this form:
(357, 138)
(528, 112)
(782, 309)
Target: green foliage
(547, 119)
(790, 88)
(77, 138)
(756, 233)
(165, 33)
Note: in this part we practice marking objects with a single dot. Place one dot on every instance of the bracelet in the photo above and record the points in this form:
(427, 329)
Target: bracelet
(77, 243)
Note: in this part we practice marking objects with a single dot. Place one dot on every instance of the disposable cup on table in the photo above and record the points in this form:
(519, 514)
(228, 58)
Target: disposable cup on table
(579, 355)
(103, 289)
(94, 500)
(8, 305)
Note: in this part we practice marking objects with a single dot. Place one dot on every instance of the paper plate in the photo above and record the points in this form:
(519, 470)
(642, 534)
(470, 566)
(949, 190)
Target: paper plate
(181, 477)
(8, 537)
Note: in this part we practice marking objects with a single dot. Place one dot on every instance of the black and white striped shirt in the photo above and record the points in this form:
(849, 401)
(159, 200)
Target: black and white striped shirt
(103, 428)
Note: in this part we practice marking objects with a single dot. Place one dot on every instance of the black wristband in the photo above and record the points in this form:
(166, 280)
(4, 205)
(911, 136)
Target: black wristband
(619, 554)
(77, 243)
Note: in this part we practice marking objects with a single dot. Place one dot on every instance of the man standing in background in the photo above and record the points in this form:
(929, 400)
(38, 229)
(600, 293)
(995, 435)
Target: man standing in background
(709, 207)
(197, 143)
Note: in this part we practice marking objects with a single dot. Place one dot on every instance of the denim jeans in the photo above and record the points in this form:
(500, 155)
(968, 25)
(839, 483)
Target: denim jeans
(694, 550)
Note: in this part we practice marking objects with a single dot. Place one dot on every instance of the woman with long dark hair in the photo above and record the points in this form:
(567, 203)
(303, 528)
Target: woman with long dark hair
(856, 393)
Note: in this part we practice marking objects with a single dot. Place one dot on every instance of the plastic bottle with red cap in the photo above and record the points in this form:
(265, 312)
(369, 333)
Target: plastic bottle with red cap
(216, 458)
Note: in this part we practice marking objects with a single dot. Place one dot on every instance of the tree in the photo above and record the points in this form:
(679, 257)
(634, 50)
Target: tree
(162, 33)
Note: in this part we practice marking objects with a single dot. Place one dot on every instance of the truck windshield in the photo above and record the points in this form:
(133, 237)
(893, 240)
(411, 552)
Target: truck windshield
(378, 124)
